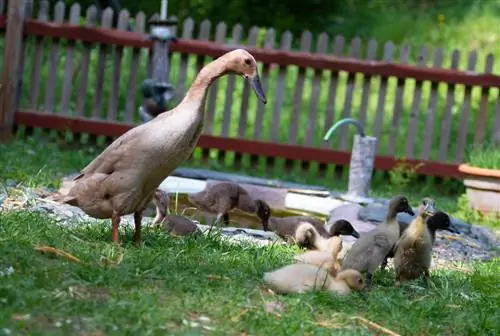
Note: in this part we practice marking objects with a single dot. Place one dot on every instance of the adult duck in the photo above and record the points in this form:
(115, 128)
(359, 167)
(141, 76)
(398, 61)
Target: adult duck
(124, 177)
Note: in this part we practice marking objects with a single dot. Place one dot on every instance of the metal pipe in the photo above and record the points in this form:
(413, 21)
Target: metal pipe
(344, 121)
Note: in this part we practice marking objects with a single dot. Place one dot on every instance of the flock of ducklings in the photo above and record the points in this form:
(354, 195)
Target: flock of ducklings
(321, 267)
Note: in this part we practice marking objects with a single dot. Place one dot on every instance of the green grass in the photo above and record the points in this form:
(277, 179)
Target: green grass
(465, 27)
(484, 156)
(168, 283)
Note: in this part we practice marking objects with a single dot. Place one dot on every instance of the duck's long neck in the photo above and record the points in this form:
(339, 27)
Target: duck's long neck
(391, 217)
(197, 93)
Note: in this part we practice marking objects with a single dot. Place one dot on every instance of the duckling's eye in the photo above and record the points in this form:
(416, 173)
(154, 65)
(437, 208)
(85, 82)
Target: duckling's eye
(247, 61)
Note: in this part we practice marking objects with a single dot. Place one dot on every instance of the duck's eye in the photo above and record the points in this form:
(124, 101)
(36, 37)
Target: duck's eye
(247, 61)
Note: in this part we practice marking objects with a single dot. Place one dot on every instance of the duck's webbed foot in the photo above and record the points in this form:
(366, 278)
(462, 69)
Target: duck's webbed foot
(138, 225)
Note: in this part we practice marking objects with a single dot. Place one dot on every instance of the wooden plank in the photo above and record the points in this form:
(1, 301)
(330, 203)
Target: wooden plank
(431, 109)
(106, 21)
(377, 126)
(228, 103)
(483, 105)
(113, 103)
(464, 121)
(415, 108)
(180, 87)
(312, 120)
(384, 69)
(338, 50)
(305, 45)
(53, 47)
(74, 18)
(28, 14)
(130, 107)
(220, 37)
(259, 117)
(90, 21)
(279, 94)
(10, 77)
(398, 105)
(299, 153)
(367, 79)
(495, 136)
(447, 118)
(349, 89)
(245, 96)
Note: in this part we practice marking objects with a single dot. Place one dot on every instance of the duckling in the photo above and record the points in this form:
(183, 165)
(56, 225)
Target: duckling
(413, 255)
(174, 224)
(324, 259)
(221, 198)
(286, 227)
(371, 249)
(439, 221)
(301, 278)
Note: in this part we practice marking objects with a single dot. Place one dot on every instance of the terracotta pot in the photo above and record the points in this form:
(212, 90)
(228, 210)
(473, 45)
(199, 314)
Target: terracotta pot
(483, 188)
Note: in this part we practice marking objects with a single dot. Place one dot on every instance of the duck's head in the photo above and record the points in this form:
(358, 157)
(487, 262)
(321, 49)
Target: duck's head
(441, 221)
(343, 227)
(400, 204)
(243, 63)
(427, 207)
(352, 278)
(263, 211)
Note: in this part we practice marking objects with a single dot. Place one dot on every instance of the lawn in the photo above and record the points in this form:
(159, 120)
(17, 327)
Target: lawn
(200, 286)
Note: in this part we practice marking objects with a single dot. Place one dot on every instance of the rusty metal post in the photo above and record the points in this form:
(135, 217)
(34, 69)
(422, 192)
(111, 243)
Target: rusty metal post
(10, 82)
(156, 91)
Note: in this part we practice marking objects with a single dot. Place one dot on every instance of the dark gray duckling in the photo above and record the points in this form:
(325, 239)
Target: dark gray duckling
(413, 255)
(221, 198)
(174, 224)
(343, 227)
(439, 221)
(369, 251)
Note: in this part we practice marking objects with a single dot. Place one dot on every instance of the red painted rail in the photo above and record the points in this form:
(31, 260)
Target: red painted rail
(259, 148)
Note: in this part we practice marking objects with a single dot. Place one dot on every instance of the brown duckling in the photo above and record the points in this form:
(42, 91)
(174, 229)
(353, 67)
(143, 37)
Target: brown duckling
(371, 249)
(174, 224)
(286, 227)
(301, 278)
(221, 198)
(438, 221)
(413, 255)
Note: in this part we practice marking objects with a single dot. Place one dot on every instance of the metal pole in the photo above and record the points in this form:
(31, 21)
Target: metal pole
(160, 52)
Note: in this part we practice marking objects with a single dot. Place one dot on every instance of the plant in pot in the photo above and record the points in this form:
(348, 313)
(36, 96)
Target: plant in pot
(482, 178)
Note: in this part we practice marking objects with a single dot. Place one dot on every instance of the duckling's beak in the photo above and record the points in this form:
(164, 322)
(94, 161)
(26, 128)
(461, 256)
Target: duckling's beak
(355, 234)
(257, 87)
(430, 209)
(452, 228)
(409, 211)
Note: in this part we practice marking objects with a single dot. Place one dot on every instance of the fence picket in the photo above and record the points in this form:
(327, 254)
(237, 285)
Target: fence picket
(338, 50)
(245, 96)
(106, 22)
(2, 7)
(259, 117)
(377, 126)
(91, 21)
(28, 14)
(53, 60)
(398, 105)
(130, 107)
(415, 108)
(367, 82)
(228, 102)
(349, 89)
(279, 95)
(495, 136)
(74, 18)
(43, 15)
(431, 109)
(312, 122)
(220, 37)
(173, 31)
(113, 102)
(483, 105)
(180, 90)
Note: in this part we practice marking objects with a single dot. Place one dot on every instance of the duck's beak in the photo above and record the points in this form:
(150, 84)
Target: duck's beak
(257, 87)
(430, 209)
(452, 228)
(410, 211)
(355, 234)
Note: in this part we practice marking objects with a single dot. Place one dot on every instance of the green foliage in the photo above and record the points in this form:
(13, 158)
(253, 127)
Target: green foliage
(404, 174)
(188, 286)
(484, 156)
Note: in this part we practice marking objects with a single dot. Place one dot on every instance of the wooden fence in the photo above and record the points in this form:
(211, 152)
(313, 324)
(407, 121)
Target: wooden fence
(81, 75)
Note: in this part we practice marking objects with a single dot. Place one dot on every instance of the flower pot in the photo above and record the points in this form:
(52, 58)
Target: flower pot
(483, 188)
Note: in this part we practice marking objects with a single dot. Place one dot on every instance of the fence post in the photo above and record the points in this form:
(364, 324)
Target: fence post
(10, 83)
